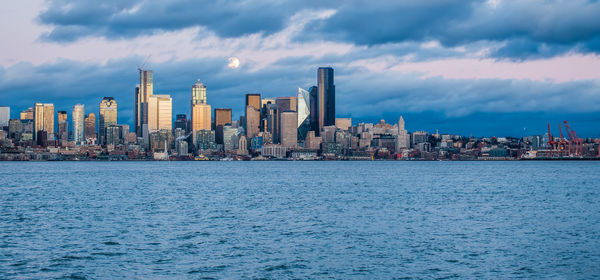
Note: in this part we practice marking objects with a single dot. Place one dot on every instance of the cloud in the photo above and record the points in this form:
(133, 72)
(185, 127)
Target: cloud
(511, 29)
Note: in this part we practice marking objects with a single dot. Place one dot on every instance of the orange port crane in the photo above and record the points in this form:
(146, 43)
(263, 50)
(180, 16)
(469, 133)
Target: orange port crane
(575, 143)
(562, 143)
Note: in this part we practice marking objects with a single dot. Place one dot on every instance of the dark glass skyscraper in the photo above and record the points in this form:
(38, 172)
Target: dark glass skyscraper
(326, 100)
(314, 109)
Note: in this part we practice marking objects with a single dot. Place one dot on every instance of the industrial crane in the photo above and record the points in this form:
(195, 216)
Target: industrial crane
(551, 143)
(575, 143)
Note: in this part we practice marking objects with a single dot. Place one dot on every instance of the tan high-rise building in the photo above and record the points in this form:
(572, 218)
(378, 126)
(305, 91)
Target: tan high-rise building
(288, 127)
(252, 121)
(288, 103)
(253, 99)
(27, 114)
(343, 123)
(222, 116)
(198, 93)
(107, 117)
(43, 119)
(160, 112)
(201, 118)
(90, 127)
(78, 119)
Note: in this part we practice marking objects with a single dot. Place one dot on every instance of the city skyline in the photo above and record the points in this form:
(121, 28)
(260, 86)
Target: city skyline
(460, 72)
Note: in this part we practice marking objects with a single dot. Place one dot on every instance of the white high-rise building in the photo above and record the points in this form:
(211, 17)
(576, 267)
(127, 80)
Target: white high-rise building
(78, 118)
(402, 139)
(160, 112)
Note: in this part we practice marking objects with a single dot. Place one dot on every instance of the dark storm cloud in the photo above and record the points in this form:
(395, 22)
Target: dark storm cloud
(481, 107)
(514, 29)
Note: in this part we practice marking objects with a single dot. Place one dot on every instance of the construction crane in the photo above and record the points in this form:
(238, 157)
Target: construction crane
(141, 66)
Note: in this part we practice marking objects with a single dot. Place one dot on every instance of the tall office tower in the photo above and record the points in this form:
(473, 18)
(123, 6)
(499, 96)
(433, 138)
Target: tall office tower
(15, 129)
(252, 121)
(146, 91)
(198, 93)
(288, 128)
(403, 139)
(326, 100)
(44, 119)
(137, 120)
(263, 112)
(252, 116)
(271, 120)
(78, 123)
(222, 116)
(283, 104)
(27, 114)
(181, 122)
(314, 109)
(4, 116)
(160, 112)
(201, 119)
(253, 99)
(90, 127)
(63, 126)
(303, 109)
(107, 117)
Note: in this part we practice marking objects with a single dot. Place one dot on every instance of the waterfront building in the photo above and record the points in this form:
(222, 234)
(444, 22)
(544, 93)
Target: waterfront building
(274, 150)
(107, 116)
(77, 117)
(289, 129)
(419, 137)
(257, 142)
(182, 148)
(90, 128)
(303, 109)
(160, 113)
(4, 116)
(326, 97)
(44, 119)
(160, 141)
(27, 114)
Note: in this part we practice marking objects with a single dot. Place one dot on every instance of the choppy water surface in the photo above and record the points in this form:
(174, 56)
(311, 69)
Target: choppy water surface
(374, 220)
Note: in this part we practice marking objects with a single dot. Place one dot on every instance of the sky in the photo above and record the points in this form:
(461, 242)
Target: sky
(481, 68)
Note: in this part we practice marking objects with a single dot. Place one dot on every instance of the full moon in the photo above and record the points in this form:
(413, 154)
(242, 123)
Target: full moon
(234, 62)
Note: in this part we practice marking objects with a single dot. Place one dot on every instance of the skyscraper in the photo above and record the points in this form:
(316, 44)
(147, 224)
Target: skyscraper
(137, 122)
(143, 93)
(403, 139)
(27, 114)
(63, 126)
(78, 123)
(222, 116)
(252, 123)
(181, 122)
(44, 119)
(201, 118)
(107, 117)
(303, 109)
(288, 103)
(326, 100)
(90, 127)
(198, 93)
(314, 110)
(288, 128)
(160, 112)
(4, 116)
